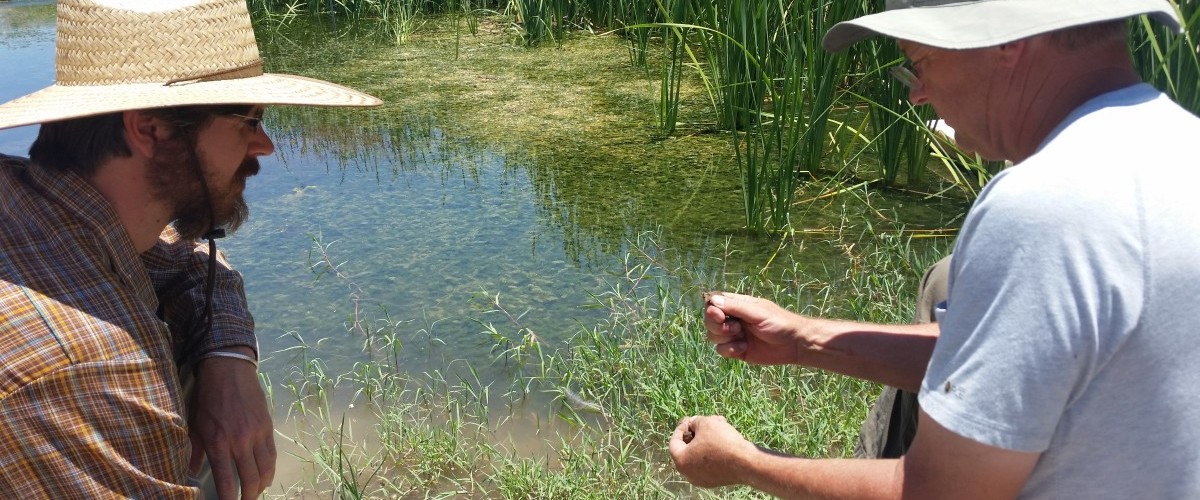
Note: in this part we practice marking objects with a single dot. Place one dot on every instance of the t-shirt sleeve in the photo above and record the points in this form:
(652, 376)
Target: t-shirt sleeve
(1043, 291)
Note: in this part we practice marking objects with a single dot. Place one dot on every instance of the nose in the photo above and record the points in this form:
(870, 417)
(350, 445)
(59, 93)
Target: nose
(261, 144)
(917, 96)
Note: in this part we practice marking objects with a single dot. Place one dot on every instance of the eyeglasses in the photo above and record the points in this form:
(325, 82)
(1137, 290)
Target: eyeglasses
(904, 73)
(907, 71)
(250, 121)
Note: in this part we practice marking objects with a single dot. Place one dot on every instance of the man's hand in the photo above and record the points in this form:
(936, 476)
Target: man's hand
(751, 329)
(231, 423)
(709, 452)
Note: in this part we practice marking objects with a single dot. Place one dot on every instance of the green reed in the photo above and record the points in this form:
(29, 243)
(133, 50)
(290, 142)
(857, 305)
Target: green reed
(774, 89)
(1171, 61)
(901, 140)
(389, 21)
(777, 90)
(677, 52)
(539, 20)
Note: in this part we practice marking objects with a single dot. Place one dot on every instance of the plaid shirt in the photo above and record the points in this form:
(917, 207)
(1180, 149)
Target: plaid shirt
(90, 402)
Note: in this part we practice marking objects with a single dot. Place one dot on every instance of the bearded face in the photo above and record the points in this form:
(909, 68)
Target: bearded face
(174, 175)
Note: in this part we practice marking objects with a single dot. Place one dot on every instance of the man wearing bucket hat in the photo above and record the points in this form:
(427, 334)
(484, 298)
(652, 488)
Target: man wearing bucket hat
(1064, 362)
(147, 138)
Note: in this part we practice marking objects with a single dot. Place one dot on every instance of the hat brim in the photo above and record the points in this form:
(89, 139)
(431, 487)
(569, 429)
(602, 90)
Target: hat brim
(63, 102)
(970, 25)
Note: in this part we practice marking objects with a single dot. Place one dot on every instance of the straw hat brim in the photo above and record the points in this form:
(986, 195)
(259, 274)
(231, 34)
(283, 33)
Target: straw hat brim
(63, 102)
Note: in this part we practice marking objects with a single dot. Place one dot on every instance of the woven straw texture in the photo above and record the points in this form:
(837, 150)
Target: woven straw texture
(111, 58)
(207, 37)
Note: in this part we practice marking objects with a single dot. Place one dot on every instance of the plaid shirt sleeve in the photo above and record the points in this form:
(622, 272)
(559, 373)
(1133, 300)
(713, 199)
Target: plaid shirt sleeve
(178, 272)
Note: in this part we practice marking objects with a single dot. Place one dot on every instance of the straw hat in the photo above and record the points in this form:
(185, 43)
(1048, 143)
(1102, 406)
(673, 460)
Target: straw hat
(115, 55)
(968, 24)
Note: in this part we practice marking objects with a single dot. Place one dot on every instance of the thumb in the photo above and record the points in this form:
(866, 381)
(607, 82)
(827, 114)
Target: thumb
(681, 437)
(737, 306)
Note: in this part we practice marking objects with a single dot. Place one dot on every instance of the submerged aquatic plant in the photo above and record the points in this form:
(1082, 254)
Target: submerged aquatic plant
(603, 404)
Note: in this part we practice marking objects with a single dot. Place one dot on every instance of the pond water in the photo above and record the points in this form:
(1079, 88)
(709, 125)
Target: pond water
(432, 226)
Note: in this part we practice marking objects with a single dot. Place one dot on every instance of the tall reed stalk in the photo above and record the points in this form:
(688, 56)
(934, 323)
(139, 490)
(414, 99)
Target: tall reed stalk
(776, 88)
(540, 20)
(901, 140)
(671, 80)
(1171, 61)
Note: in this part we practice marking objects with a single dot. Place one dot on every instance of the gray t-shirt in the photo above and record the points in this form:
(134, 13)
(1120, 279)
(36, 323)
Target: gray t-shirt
(1073, 322)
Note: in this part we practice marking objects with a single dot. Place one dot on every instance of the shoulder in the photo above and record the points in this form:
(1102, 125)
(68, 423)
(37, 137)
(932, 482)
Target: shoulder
(8, 161)
(10, 167)
(1124, 129)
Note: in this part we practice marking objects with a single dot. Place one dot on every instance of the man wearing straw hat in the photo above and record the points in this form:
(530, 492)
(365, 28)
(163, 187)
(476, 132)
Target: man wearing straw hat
(1064, 363)
(147, 138)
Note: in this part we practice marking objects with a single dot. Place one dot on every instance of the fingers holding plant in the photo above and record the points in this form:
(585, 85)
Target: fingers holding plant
(749, 328)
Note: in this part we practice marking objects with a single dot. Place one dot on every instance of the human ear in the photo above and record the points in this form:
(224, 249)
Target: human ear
(1010, 53)
(142, 132)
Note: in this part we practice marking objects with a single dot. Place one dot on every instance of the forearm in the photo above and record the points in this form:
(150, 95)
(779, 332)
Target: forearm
(896, 355)
(803, 478)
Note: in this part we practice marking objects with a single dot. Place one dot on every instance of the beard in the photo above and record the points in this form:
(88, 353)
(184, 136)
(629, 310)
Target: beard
(174, 175)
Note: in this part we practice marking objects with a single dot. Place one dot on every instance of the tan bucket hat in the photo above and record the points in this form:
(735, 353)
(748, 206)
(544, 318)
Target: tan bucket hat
(115, 55)
(969, 24)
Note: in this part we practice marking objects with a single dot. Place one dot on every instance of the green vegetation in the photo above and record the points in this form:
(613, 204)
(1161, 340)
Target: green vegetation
(20, 22)
(590, 419)
(1170, 61)
(792, 110)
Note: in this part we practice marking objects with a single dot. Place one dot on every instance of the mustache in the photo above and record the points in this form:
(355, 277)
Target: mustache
(248, 168)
